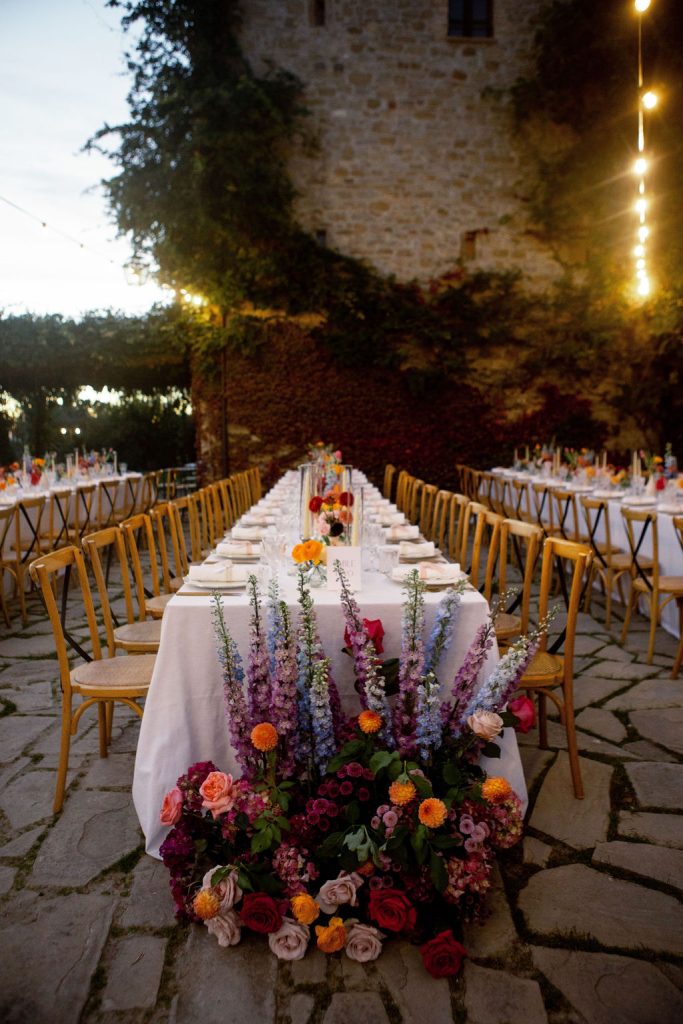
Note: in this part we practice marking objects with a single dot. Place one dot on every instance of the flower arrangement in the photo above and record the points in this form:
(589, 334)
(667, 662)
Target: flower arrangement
(8, 475)
(346, 832)
(334, 515)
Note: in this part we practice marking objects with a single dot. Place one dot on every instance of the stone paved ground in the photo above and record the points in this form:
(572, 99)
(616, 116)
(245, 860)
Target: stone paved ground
(586, 922)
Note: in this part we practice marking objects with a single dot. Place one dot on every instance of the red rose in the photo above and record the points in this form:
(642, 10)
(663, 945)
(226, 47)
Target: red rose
(660, 483)
(260, 912)
(375, 631)
(315, 504)
(524, 711)
(391, 909)
(345, 499)
(443, 955)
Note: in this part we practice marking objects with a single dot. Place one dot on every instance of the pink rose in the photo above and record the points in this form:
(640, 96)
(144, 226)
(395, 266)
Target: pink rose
(524, 711)
(226, 927)
(227, 890)
(339, 890)
(290, 941)
(219, 793)
(323, 527)
(485, 724)
(363, 942)
(172, 807)
(338, 456)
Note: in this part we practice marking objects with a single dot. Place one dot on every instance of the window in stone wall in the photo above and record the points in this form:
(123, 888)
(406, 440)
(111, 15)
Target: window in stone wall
(316, 13)
(470, 19)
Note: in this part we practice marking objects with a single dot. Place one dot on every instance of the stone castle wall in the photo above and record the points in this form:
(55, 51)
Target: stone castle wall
(417, 164)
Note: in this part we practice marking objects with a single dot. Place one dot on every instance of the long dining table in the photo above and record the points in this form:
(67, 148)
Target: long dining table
(184, 719)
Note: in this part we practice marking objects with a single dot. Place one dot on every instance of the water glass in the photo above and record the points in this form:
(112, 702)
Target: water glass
(387, 558)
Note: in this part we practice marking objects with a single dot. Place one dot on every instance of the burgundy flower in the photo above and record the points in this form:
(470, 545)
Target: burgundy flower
(391, 909)
(315, 504)
(260, 912)
(443, 955)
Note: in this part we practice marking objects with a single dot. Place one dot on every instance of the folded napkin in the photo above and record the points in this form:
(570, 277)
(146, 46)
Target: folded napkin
(643, 500)
(391, 518)
(429, 572)
(217, 574)
(247, 533)
(403, 532)
(607, 494)
(407, 549)
(671, 508)
(238, 549)
(257, 519)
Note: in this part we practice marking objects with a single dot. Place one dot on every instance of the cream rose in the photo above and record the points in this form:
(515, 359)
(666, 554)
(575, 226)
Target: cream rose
(219, 793)
(172, 807)
(485, 724)
(363, 942)
(227, 890)
(290, 941)
(339, 890)
(226, 927)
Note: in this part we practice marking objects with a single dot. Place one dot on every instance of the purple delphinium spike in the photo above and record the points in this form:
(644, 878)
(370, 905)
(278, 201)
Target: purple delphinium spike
(308, 652)
(503, 681)
(239, 724)
(370, 679)
(429, 728)
(284, 671)
(258, 683)
(411, 666)
(442, 631)
(324, 744)
(466, 678)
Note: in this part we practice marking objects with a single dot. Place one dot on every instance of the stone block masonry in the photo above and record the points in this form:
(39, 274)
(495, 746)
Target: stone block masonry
(417, 163)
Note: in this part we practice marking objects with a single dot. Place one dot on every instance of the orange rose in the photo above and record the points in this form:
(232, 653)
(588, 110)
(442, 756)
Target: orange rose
(332, 937)
(264, 736)
(369, 722)
(299, 553)
(432, 812)
(313, 551)
(304, 908)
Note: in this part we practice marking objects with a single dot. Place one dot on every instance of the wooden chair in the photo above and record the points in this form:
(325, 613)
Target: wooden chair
(542, 512)
(609, 564)
(413, 499)
(199, 545)
(470, 515)
(150, 599)
(647, 582)
(426, 515)
(83, 518)
(678, 527)
(402, 484)
(229, 503)
(457, 517)
(486, 539)
(164, 521)
(520, 545)
(133, 637)
(107, 498)
(58, 532)
(522, 504)
(99, 681)
(7, 563)
(27, 523)
(548, 669)
(388, 481)
(255, 485)
(149, 492)
(217, 512)
(440, 514)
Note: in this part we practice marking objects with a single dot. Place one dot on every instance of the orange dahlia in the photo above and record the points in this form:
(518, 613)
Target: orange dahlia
(206, 904)
(432, 812)
(264, 736)
(304, 908)
(496, 789)
(332, 937)
(369, 721)
(401, 792)
(313, 550)
(298, 553)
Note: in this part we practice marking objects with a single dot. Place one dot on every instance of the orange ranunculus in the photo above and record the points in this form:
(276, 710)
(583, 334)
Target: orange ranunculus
(304, 908)
(402, 793)
(369, 721)
(332, 937)
(3, 485)
(496, 789)
(39, 462)
(338, 469)
(264, 736)
(206, 904)
(299, 553)
(366, 869)
(432, 812)
(313, 551)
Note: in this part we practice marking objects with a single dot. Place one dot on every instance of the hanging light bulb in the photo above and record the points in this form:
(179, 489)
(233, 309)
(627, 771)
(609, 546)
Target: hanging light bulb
(643, 287)
(639, 251)
(640, 166)
(641, 206)
(643, 233)
(642, 5)
(649, 100)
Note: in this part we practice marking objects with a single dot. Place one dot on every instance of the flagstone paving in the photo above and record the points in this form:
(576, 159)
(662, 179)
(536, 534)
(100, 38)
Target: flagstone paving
(586, 924)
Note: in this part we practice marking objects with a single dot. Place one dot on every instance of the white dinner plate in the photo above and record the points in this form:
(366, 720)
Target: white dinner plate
(233, 585)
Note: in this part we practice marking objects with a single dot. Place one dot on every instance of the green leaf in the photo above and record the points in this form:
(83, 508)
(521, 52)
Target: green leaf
(445, 842)
(221, 873)
(382, 759)
(438, 872)
(491, 750)
(352, 812)
(244, 881)
(422, 785)
(330, 845)
(261, 841)
(282, 822)
(452, 774)
(418, 841)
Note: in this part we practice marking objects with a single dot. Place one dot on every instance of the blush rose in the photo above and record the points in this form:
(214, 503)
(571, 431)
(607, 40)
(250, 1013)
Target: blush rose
(172, 807)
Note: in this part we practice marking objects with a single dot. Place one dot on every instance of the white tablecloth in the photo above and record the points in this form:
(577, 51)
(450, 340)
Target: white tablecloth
(184, 721)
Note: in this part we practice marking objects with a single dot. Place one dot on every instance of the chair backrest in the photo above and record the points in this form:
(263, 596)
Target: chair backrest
(242, 494)
(440, 513)
(229, 503)
(471, 479)
(639, 524)
(131, 496)
(457, 518)
(427, 502)
(388, 481)
(163, 520)
(488, 491)
(7, 516)
(112, 541)
(402, 483)
(580, 555)
(520, 544)
(194, 519)
(520, 500)
(596, 514)
(413, 499)
(84, 515)
(206, 518)
(179, 510)
(149, 492)
(141, 526)
(57, 534)
(217, 512)
(566, 514)
(107, 496)
(29, 518)
(486, 536)
(69, 564)
(543, 506)
(255, 485)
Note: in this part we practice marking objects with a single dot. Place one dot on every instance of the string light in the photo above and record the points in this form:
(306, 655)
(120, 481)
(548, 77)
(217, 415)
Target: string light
(646, 101)
(58, 231)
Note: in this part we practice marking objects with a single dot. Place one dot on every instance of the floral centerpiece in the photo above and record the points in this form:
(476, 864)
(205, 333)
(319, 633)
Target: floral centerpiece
(347, 832)
(8, 475)
(334, 515)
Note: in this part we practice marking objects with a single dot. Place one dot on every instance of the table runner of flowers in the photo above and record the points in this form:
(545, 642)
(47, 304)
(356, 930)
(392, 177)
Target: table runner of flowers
(344, 831)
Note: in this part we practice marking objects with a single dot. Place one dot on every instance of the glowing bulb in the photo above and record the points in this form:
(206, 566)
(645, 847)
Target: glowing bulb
(641, 206)
(639, 250)
(62, 430)
(643, 286)
(649, 100)
(77, 430)
(640, 166)
(643, 232)
(640, 273)
(641, 188)
(642, 5)
(640, 264)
